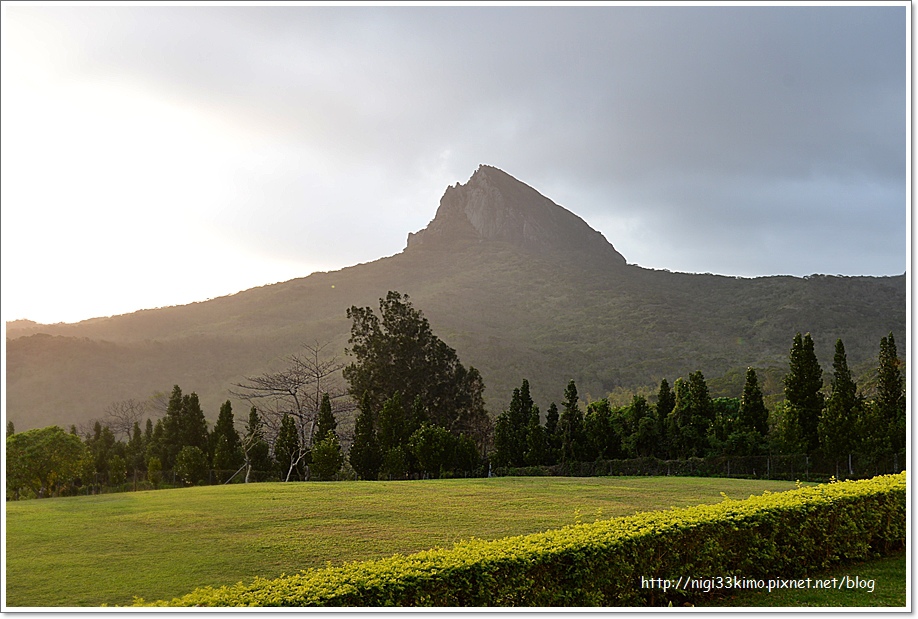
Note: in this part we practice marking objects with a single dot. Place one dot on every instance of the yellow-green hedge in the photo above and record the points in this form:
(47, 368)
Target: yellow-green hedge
(781, 535)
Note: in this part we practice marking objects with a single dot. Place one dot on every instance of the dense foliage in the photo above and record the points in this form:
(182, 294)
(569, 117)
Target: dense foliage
(401, 438)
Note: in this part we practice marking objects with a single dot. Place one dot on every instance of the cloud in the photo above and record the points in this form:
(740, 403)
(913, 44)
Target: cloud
(735, 139)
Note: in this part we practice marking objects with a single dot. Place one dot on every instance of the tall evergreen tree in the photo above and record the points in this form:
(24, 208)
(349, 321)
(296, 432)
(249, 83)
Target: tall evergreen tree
(890, 399)
(666, 401)
(570, 425)
(838, 423)
(288, 452)
(642, 439)
(537, 448)
(802, 392)
(255, 447)
(511, 429)
(691, 418)
(364, 454)
(326, 423)
(752, 412)
(193, 431)
(227, 446)
(552, 435)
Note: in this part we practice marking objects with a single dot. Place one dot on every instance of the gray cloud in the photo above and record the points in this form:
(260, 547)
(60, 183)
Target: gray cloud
(735, 139)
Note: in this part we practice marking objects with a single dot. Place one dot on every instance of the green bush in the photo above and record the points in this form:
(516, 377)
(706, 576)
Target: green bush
(783, 535)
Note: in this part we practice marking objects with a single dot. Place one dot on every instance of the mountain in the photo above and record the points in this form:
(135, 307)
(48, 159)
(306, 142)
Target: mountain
(519, 286)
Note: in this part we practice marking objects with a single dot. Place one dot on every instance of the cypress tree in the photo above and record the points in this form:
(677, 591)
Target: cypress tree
(890, 399)
(570, 425)
(226, 443)
(802, 387)
(666, 401)
(364, 455)
(837, 426)
(552, 437)
(255, 447)
(326, 423)
(287, 453)
(752, 412)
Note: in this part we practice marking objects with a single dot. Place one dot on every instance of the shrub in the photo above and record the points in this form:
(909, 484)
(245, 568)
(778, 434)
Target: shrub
(782, 535)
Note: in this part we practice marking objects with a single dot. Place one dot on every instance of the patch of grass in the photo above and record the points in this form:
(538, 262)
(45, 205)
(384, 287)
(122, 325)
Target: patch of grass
(89, 551)
(850, 587)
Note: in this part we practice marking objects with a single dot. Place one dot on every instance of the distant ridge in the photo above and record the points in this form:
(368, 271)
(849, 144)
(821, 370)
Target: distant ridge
(519, 286)
(494, 206)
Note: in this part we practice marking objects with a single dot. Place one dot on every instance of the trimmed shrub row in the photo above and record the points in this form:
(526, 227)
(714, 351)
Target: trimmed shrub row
(775, 535)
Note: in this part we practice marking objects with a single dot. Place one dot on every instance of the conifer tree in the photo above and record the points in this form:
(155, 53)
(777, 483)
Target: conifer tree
(254, 446)
(666, 400)
(364, 454)
(288, 453)
(326, 423)
(226, 443)
(837, 425)
(890, 399)
(570, 425)
(752, 412)
(511, 429)
(552, 437)
(802, 393)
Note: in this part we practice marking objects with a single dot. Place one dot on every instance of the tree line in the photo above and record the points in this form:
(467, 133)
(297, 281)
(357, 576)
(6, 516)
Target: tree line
(686, 422)
(419, 412)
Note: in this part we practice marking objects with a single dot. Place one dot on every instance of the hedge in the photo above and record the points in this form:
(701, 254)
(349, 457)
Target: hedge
(776, 535)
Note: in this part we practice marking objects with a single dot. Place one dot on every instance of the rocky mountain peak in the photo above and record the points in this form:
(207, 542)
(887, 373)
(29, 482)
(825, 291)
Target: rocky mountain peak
(494, 206)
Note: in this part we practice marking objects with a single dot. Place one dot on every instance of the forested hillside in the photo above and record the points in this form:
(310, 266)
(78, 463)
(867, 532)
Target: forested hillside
(499, 287)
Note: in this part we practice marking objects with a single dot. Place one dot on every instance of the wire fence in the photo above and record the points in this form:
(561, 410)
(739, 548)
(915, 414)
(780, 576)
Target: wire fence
(785, 467)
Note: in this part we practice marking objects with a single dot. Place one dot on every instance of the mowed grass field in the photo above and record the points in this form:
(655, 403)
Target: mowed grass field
(95, 550)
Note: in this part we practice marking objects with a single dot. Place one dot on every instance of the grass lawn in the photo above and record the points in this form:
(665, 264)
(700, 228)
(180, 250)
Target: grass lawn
(886, 577)
(89, 551)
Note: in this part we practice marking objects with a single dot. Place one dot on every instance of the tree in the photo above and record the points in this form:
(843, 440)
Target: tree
(327, 458)
(191, 464)
(666, 401)
(326, 423)
(122, 415)
(254, 446)
(642, 439)
(136, 450)
(570, 425)
(511, 429)
(289, 452)
(802, 392)
(433, 447)
(838, 424)
(43, 460)
(398, 352)
(364, 455)
(753, 416)
(227, 446)
(890, 400)
(183, 426)
(154, 471)
(552, 435)
(297, 391)
(691, 417)
(117, 470)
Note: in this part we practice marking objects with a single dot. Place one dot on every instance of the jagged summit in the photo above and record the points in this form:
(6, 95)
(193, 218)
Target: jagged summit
(494, 206)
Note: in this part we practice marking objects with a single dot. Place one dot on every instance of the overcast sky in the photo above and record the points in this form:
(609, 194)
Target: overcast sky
(161, 155)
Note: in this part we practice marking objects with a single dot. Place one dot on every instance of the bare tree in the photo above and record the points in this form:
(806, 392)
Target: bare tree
(297, 391)
(121, 416)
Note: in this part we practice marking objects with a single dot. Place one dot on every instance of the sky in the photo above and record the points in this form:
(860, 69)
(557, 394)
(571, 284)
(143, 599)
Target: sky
(160, 155)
